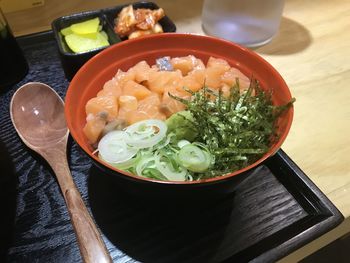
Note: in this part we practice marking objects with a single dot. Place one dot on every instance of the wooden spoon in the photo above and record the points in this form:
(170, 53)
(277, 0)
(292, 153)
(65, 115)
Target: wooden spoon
(37, 112)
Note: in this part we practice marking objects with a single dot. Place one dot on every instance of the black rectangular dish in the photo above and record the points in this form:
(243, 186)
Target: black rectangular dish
(72, 62)
(271, 214)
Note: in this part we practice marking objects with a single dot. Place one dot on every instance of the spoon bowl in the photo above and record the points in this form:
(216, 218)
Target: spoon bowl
(37, 113)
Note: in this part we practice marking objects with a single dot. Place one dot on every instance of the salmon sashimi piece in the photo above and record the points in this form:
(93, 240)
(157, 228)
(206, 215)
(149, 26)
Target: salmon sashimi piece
(195, 79)
(141, 71)
(111, 87)
(149, 103)
(218, 63)
(191, 83)
(169, 106)
(126, 104)
(216, 67)
(226, 90)
(136, 116)
(161, 80)
(142, 92)
(122, 77)
(103, 104)
(213, 78)
(148, 108)
(186, 64)
(94, 127)
(139, 91)
(104, 92)
(230, 76)
(199, 64)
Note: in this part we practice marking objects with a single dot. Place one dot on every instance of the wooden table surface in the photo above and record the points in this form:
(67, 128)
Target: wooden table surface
(311, 51)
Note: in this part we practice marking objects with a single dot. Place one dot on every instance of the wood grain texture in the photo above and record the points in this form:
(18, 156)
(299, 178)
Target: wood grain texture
(212, 231)
(311, 53)
(91, 245)
(264, 220)
(37, 113)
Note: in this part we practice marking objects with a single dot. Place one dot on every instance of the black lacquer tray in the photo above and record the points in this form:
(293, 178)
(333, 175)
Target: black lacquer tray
(272, 213)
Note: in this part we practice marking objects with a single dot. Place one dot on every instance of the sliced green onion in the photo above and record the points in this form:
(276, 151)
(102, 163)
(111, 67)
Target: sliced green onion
(153, 173)
(145, 162)
(169, 168)
(147, 133)
(182, 143)
(164, 142)
(194, 159)
(113, 149)
(129, 163)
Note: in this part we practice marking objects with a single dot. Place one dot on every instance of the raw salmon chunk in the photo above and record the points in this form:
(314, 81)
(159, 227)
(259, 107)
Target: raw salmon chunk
(187, 64)
(195, 80)
(94, 127)
(149, 102)
(126, 104)
(142, 92)
(148, 108)
(136, 116)
(230, 76)
(103, 104)
(141, 71)
(111, 87)
(139, 91)
(169, 105)
(218, 63)
(226, 90)
(122, 77)
(161, 80)
(216, 67)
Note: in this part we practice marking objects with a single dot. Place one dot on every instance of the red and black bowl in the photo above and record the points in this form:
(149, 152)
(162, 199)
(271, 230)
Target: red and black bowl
(102, 67)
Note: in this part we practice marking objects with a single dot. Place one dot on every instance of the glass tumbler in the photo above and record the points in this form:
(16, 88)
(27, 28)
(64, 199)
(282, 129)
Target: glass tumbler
(13, 65)
(250, 23)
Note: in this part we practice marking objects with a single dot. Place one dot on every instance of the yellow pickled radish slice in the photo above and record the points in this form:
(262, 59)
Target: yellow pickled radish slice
(87, 27)
(79, 43)
(66, 31)
(104, 34)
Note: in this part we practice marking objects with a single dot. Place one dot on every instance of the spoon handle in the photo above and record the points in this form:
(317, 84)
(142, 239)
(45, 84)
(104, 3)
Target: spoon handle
(91, 245)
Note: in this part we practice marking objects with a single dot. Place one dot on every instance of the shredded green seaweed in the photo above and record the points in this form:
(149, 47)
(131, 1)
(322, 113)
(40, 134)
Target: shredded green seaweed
(237, 129)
